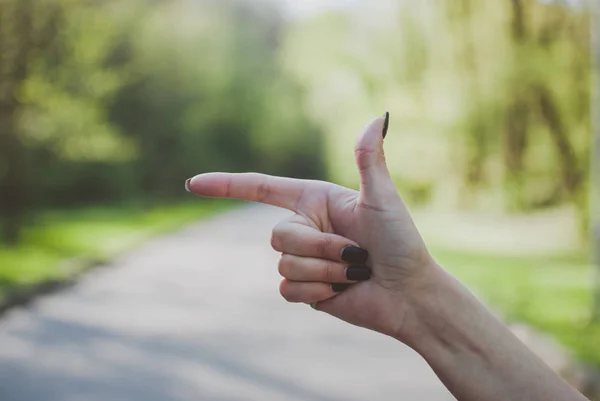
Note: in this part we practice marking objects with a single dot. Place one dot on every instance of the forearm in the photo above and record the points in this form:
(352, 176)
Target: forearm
(473, 353)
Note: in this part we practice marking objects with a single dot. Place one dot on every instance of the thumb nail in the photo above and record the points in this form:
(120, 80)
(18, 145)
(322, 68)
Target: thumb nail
(386, 123)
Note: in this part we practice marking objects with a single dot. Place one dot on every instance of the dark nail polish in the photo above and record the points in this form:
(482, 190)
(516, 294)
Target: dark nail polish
(339, 287)
(386, 123)
(358, 273)
(187, 184)
(354, 255)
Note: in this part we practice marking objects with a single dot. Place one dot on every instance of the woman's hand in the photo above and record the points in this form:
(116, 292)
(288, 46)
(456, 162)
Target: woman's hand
(408, 296)
(315, 241)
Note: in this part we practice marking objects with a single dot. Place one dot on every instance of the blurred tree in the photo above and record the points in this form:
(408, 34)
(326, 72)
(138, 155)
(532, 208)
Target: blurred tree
(517, 114)
(52, 85)
(209, 95)
(121, 101)
(594, 192)
(498, 91)
(15, 44)
(529, 82)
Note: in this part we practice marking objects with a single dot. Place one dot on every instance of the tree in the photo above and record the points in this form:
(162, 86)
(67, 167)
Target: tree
(52, 84)
(210, 95)
(594, 203)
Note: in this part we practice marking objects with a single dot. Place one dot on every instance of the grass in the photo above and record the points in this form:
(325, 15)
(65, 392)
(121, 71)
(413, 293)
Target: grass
(89, 235)
(552, 293)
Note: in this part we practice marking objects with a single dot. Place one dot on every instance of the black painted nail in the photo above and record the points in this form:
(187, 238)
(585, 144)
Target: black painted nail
(187, 184)
(354, 255)
(339, 287)
(358, 273)
(386, 123)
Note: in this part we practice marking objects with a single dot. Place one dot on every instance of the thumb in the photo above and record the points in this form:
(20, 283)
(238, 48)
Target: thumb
(376, 186)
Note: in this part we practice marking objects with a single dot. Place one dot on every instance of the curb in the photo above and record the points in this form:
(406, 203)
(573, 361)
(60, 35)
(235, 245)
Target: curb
(25, 294)
(72, 269)
(22, 296)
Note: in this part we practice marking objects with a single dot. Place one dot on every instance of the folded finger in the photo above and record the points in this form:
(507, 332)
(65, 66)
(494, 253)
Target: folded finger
(298, 268)
(301, 240)
(297, 291)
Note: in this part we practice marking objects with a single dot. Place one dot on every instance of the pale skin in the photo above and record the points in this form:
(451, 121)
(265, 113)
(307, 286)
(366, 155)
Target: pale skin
(409, 296)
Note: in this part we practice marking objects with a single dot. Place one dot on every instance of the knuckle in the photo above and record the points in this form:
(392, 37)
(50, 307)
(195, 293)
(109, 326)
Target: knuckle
(363, 154)
(366, 157)
(285, 292)
(263, 190)
(328, 273)
(363, 151)
(283, 266)
(324, 244)
(285, 295)
(277, 238)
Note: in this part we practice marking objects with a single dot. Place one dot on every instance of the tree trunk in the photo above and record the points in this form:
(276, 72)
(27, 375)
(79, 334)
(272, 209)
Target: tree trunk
(15, 40)
(517, 115)
(477, 130)
(594, 199)
(514, 146)
(572, 177)
(12, 181)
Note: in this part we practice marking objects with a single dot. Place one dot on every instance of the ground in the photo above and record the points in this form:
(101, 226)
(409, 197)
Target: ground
(196, 315)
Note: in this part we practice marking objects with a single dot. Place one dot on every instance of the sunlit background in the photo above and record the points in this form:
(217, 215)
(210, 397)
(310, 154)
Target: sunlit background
(107, 107)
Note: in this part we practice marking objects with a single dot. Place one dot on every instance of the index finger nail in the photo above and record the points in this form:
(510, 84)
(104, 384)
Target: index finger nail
(354, 255)
(187, 184)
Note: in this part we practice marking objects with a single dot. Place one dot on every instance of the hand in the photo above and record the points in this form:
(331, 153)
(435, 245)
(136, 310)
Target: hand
(330, 217)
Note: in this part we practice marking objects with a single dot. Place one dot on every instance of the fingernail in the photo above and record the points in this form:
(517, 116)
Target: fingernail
(358, 273)
(386, 123)
(187, 184)
(339, 287)
(354, 255)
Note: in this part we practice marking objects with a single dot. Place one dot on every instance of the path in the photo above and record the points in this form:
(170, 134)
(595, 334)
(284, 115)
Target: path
(196, 315)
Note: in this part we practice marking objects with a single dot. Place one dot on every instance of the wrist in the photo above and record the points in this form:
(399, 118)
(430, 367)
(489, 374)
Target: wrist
(416, 301)
(432, 299)
(447, 320)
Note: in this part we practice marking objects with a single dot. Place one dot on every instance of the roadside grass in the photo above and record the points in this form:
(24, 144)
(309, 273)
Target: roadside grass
(89, 235)
(551, 292)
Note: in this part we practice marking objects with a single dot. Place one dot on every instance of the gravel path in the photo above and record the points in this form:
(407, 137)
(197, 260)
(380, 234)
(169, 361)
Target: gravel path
(196, 315)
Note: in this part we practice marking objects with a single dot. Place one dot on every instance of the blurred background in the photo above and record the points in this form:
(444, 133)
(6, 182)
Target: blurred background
(106, 107)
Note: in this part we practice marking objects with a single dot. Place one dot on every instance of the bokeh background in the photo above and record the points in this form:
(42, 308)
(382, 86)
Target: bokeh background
(106, 107)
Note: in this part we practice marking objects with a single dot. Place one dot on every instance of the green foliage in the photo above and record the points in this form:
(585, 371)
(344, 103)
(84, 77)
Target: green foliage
(62, 241)
(493, 95)
(63, 97)
(210, 95)
(113, 101)
(553, 293)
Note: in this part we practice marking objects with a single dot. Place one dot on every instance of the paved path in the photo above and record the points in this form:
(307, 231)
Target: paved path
(197, 315)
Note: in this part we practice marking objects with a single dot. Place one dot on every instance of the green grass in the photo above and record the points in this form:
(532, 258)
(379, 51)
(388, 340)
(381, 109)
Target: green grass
(89, 235)
(552, 293)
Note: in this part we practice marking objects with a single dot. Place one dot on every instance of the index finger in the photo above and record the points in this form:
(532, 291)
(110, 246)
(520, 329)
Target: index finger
(277, 191)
